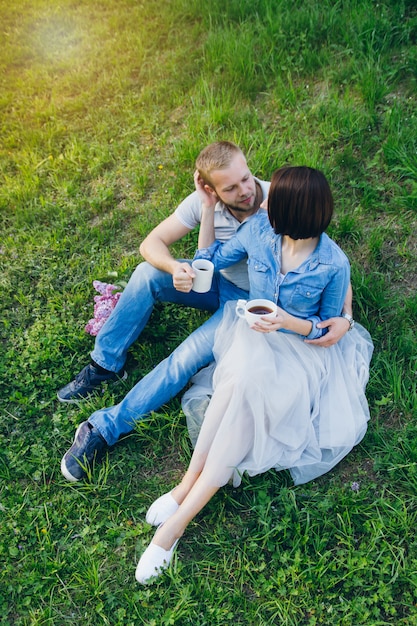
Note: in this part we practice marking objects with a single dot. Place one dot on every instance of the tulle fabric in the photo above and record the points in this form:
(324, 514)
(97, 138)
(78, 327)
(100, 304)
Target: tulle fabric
(277, 402)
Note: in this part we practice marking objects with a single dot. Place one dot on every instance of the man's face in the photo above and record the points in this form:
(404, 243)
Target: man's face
(235, 186)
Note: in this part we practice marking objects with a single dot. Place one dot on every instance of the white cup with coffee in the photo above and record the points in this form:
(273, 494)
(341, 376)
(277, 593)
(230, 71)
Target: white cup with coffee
(253, 310)
(203, 270)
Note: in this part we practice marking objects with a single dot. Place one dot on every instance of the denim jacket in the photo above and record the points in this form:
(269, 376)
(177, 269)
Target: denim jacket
(314, 291)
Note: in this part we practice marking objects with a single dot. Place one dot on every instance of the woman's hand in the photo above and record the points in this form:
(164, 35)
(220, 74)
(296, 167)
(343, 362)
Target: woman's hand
(270, 324)
(281, 321)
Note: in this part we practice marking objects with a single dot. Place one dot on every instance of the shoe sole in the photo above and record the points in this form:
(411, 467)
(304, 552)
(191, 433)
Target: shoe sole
(71, 401)
(92, 393)
(66, 474)
(64, 470)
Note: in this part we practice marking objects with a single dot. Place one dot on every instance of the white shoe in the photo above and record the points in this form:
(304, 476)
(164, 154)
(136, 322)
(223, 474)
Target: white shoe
(161, 509)
(153, 562)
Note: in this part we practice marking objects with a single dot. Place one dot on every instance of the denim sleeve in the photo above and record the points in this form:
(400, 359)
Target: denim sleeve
(332, 300)
(315, 332)
(223, 254)
(207, 253)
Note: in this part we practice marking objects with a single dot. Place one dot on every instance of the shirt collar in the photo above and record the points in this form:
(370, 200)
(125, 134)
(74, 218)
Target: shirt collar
(321, 255)
(323, 251)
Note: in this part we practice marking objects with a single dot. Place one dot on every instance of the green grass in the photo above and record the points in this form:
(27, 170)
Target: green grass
(104, 107)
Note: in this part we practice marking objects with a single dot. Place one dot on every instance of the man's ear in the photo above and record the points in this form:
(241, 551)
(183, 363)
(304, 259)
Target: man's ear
(210, 190)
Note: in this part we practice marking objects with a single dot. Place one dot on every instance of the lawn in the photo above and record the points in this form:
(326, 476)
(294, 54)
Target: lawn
(104, 108)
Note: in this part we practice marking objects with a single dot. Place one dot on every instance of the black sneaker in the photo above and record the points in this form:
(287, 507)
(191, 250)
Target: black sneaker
(88, 447)
(86, 382)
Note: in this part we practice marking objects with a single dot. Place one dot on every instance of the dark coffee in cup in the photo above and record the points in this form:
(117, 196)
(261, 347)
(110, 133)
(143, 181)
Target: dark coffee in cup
(260, 310)
(253, 310)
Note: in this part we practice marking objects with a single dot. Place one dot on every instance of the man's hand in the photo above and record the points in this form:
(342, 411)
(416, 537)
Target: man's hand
(206, 194)
(208, 198)
(338, 326)
(182, 277)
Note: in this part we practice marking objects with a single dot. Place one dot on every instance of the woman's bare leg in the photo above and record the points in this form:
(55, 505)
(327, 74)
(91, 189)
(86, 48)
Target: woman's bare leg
(201, 492)
(210, 468)
(208, 431)
(180, 492)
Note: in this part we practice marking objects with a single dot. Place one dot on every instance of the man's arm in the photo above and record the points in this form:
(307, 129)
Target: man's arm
(337, 326)
(155, 249)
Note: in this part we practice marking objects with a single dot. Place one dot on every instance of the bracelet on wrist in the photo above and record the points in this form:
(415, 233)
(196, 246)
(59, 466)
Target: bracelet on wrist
(350, 319)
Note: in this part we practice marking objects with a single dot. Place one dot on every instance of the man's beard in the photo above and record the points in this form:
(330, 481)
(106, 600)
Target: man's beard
(241, 209)
(238, 208)
(255, 203)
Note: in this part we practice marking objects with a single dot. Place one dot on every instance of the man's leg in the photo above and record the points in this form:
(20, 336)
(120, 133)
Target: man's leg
(146, 286)
(161, 384)
(104, 427)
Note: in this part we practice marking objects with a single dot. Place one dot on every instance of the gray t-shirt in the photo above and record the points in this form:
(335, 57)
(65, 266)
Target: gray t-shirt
(225, 226)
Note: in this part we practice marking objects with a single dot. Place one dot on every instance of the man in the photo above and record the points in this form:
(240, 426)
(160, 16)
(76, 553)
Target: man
(222, 177)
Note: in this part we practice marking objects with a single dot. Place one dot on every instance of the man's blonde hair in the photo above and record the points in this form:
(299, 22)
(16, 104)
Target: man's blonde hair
(216, 156)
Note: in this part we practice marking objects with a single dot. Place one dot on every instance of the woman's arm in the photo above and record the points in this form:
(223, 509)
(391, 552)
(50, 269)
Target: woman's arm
(225, 254)
(335, 293)
(331, 302)
(332, 298)
(284, 321)
(337, 327)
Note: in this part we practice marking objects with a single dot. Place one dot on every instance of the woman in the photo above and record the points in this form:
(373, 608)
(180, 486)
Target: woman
(277, 401)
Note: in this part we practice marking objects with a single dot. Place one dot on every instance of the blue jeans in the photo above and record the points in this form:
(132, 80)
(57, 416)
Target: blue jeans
(147, 286)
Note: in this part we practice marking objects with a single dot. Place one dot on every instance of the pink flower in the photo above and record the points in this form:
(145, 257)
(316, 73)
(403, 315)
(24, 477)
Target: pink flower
(104, 305)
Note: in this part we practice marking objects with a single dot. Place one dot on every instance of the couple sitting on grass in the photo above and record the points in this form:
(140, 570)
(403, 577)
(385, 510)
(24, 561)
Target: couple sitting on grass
(278, 399)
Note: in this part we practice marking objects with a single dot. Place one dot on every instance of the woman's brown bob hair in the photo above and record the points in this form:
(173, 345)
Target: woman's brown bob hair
(300, 203)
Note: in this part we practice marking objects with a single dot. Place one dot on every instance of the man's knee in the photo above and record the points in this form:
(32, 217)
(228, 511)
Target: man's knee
(146, 275)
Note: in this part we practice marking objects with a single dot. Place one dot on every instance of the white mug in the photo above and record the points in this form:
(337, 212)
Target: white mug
(253, 310)
(203, 270)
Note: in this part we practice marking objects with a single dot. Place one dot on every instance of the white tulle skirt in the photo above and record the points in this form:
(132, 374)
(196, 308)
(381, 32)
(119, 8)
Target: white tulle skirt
(277, 402)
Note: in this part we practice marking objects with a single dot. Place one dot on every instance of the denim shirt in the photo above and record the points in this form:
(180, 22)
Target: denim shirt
(314, 291)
